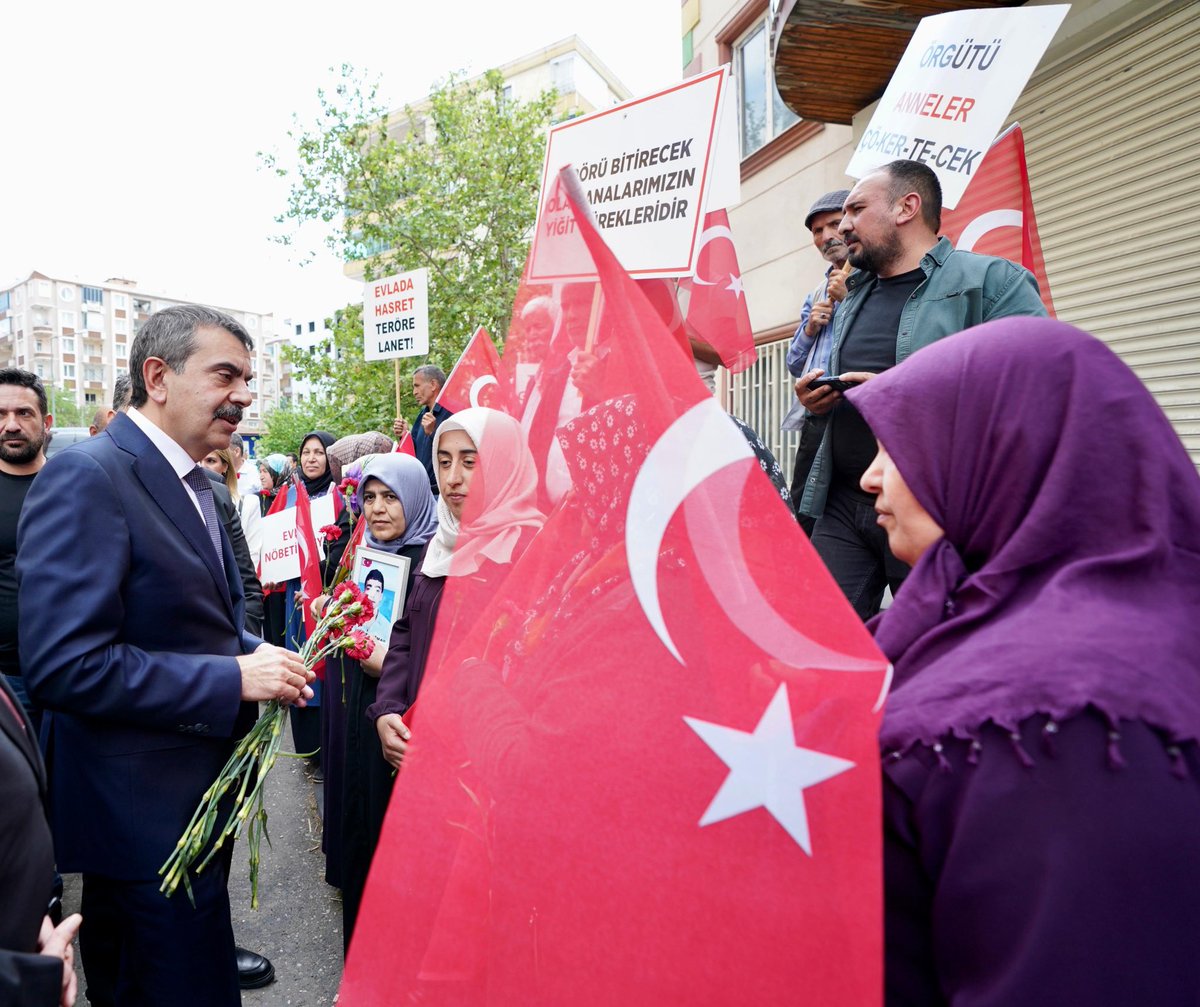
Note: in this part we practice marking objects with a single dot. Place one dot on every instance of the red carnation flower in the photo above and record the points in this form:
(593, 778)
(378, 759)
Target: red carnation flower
(358, 644)
(331, 532)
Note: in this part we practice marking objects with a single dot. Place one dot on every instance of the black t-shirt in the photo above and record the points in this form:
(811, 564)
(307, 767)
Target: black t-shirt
(12, 496)
(870, 346)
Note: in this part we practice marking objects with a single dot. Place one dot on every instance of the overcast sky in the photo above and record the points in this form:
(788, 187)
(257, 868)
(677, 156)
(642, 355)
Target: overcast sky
(131, 129)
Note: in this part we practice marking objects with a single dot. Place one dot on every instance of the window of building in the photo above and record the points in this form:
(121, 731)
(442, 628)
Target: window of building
(4, 300)
(93, 321)
(299, 329)
(68, 370)
(312, 326)
(5, 326)
(89, 398)
(141, 305)
(20, 299)
(43, 288)
(40, 370)
(39, 346)
(92, 374)
(66, 318)
(118, 300)
(562, 74)
(762, 113)
(93, 295)
(120, 326)
(66, 293)
(68, 344)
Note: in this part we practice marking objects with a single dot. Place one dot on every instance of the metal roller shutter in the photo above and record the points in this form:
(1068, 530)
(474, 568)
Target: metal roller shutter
(1112, 143)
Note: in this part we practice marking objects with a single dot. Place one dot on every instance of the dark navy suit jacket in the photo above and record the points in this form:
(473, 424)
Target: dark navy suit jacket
(129, 633)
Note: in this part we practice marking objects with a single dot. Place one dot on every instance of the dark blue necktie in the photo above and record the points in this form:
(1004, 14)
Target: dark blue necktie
(202, 486)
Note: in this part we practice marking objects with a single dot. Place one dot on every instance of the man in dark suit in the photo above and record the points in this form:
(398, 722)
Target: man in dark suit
(131, 614)
(35, 957)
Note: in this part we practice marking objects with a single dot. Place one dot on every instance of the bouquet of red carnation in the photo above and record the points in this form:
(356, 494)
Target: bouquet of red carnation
(252, 759)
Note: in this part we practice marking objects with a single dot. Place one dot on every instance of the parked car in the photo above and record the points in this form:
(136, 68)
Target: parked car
(64, 437)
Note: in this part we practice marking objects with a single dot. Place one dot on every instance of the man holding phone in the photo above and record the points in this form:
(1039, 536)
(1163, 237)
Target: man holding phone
(910, 289)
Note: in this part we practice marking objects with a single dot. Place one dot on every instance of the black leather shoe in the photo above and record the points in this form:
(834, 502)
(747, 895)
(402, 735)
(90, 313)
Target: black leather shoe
(253, 970)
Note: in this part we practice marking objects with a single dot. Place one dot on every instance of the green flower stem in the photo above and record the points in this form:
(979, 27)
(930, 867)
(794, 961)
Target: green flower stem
(248, 767)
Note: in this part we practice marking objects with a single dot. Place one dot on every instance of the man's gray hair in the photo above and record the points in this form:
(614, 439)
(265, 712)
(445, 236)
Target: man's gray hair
(122, 389)
(542, 303)
(433, 373)
(235, 442)
(170, 335)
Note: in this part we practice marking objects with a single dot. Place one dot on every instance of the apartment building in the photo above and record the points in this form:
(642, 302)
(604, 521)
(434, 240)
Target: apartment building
(75, 335)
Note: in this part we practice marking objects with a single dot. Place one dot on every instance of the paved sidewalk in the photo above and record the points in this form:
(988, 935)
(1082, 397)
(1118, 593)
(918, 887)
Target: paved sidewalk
(298, 923)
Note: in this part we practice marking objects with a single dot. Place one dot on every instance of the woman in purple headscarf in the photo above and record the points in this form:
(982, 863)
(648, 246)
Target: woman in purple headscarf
(1041, 804)
(395, 501)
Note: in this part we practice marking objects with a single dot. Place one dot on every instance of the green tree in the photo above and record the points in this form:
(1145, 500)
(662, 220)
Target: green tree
(286, 426)
(64, 410)
(450, 185)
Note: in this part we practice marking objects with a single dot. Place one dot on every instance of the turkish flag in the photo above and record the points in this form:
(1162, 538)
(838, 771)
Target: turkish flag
(717, 309)
(995, 215)
(310, 558)
(646, 769)
(478, 379)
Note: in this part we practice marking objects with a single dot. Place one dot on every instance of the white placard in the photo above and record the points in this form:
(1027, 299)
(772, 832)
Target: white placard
(396, 316)
(280, 559)
(645, 167)
(322, 512)
(951, 92)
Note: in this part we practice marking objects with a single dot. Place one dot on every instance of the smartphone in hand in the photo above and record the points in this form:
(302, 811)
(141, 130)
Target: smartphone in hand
(837, 384)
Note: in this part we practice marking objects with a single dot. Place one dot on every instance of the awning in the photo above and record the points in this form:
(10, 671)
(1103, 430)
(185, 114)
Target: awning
(835, 57)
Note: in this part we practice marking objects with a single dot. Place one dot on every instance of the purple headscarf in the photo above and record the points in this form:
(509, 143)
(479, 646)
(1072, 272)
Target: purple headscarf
(407, 478)
(1069, 573)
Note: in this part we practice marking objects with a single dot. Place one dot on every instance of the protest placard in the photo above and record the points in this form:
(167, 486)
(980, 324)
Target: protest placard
(952, 90)
(646, 166)
(280, 548)
(396, 316)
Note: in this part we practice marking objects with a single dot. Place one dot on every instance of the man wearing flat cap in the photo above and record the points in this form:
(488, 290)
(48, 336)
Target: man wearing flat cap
(811, 343)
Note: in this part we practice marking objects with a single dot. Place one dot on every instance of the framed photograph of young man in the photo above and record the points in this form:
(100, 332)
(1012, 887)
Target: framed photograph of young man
(383, 577)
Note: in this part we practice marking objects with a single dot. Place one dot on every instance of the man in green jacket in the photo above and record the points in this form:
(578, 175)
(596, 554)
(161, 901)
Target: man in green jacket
(910, 289)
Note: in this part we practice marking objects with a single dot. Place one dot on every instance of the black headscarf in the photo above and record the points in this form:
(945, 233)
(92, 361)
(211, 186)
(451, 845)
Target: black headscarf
(317, 486)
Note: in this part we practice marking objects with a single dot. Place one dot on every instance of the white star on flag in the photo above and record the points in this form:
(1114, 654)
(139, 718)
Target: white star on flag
(735, 284)
(767, 769)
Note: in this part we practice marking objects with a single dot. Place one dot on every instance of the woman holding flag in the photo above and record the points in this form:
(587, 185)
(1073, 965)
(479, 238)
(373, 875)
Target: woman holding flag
(487, 515)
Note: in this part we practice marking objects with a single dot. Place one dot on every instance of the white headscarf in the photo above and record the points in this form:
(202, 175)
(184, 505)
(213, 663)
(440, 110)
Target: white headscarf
(507, 476)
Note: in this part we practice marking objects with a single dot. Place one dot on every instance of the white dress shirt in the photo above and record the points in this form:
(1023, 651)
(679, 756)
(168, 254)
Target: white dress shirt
(179, 460)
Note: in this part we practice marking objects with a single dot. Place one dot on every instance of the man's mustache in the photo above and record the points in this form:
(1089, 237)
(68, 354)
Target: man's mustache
(833, 243)
(232, 414)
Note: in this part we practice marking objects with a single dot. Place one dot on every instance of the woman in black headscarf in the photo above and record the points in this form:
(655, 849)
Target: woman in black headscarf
(319, 473)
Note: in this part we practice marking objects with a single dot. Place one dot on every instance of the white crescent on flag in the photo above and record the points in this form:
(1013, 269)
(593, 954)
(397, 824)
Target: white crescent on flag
(478, 385)
(710, 234)
(985, 222)
(696, 446)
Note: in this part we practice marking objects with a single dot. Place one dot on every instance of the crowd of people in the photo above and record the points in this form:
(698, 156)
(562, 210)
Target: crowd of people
(1039, 744)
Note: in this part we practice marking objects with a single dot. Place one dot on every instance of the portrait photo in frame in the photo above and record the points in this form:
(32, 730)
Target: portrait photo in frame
(382, 577)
